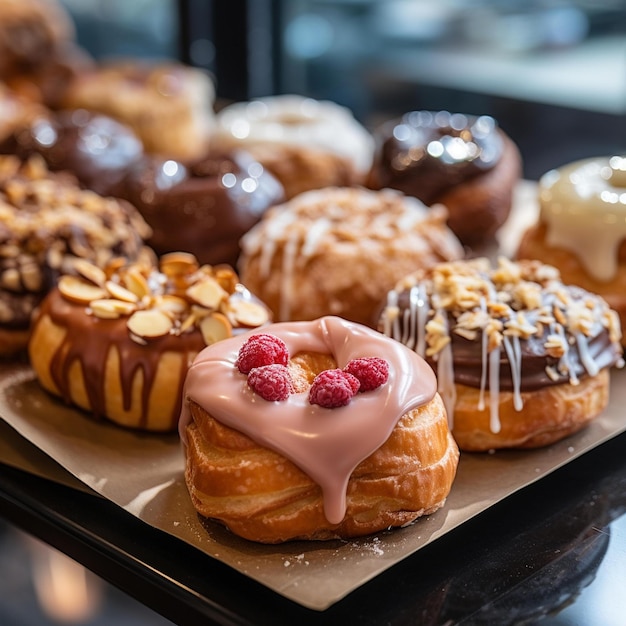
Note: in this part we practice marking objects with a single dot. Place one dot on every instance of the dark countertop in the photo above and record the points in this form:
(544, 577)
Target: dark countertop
(553, 553)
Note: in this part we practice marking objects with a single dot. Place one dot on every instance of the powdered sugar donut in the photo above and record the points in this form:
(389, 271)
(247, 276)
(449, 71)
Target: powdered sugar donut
(305, 143)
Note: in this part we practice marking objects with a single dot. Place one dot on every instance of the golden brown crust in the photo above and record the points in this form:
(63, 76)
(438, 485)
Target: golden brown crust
(549, 415)
(260, 495)
(533, 246)
(479, 206)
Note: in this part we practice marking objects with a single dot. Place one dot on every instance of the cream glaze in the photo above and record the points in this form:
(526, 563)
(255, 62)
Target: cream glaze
(327, 444)
(584, 207)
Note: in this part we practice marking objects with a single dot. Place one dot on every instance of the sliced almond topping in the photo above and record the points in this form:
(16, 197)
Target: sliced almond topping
(149, 324)
(170, 305)
(226, 277)
(31, 276)
(247, 313)
(120, 293)
(90, 272)
(136, 282)
(215, 327)
(78, 290)
(105, 308)
(177, 263)
(207, 293)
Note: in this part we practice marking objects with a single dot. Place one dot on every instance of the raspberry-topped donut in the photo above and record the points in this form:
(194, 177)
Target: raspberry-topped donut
(522, 359)
(582, 227)
(117, 341)
(465, 162)
(307, 144)
(314, 430)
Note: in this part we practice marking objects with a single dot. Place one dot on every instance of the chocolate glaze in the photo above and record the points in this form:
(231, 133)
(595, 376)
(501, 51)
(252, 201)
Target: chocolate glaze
(97, 149)
(203, 207)
(425, 153)
(467, 355)
(89, 342)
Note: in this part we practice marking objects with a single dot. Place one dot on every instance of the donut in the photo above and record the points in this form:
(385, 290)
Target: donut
(95, 148)
(350, 450)
(306, 143)
(581, 228)
(522, 359)
(466, 163)
(47, 222)
(336, 251)
(117, 341)
(202, 207)
(168, 105)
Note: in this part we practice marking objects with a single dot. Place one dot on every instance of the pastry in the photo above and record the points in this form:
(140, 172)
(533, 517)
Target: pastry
(522, 359)
(314, 430)
(16, 112)
(203, 207)
(117, 341)
(307, 144)
(46, 223)
(337, 251)
(95, 148)
(466, 163)
(168, 105)
(581, 228)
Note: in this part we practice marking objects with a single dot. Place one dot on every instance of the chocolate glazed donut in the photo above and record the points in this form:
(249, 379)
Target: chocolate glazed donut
(95, 148)
(203, 207)
(466, 163)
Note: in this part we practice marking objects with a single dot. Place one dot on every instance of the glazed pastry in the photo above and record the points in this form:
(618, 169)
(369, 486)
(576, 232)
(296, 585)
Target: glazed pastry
(464, 162)
(296, 432)
(95, 148)
(582, 227)
(168, 105)
(202, 207)
(337, 251)
(46, 223)
(307, 144)
(117, 341)
(522, 360)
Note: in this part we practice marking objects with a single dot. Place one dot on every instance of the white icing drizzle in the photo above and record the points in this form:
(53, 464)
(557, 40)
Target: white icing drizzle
(572, 318)
(583, 205)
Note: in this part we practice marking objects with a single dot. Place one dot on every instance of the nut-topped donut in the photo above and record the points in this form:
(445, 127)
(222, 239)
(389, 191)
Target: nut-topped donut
(307, 144)
(336, 251)
(203, 207)
(582, 227)
(465, 162)
(117, 341)
(46, 224)
(314, 430)
(522, 359)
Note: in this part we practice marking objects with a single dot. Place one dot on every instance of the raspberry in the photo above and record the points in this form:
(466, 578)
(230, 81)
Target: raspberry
(333, 388)
(259, 350)
(372, 372)
(271, 382)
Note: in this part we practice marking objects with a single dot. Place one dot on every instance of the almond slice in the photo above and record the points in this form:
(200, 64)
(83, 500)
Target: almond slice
(215, 327)
(78, 290)
(120, 293)
(110, 309)
(248, 313)
(90, 272)
(136, 282)
(207, 293)
(149, 324)
(178, 263)
(173, 306)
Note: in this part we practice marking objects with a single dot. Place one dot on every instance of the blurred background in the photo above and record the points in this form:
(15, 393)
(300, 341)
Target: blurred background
(552, 72)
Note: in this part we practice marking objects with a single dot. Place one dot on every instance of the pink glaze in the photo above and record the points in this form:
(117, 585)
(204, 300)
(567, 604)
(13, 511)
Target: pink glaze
(327, 444)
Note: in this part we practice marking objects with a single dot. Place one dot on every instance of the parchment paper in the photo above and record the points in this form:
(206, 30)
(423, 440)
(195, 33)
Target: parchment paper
(143, 473)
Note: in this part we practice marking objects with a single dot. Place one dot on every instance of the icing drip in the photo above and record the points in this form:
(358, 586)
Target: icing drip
(327, 444)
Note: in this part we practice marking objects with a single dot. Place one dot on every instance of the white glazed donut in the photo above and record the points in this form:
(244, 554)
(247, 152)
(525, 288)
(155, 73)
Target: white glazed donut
(582, 227)
(322, 139)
